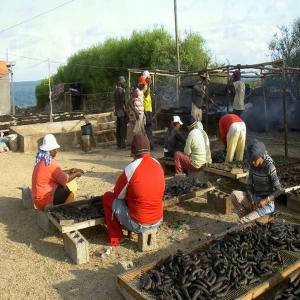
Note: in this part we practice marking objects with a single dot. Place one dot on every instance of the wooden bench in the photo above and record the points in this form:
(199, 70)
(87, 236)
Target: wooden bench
(147, 240)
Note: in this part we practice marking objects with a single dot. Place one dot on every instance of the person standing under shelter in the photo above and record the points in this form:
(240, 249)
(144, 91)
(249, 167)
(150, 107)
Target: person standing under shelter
(263, 185)
(120, 112)
(50, 184)
(148, 108)
(198, 96)
(239, 97)
(137, 200)
(232, 130)
(137, 106)
(196, 151)
(174, 140)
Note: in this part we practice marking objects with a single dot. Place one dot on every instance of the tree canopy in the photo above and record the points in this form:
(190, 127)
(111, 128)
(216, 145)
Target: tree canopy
(286, 44)
(97, 68)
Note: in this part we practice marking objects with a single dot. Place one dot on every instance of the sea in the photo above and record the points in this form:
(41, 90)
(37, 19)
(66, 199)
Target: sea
(24, 93)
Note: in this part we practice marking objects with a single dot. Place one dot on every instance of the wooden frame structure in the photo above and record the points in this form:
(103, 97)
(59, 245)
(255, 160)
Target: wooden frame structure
(260, 70)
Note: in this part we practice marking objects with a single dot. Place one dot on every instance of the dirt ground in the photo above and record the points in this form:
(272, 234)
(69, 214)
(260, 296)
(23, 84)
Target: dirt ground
(34, 265)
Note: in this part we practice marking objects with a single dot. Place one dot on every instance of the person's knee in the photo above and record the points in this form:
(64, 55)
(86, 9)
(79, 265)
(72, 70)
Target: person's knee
(176, 154)
(108, 199)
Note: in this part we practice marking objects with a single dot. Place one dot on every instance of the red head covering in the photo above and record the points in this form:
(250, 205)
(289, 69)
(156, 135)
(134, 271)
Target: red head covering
(142, 80)
(237, 73)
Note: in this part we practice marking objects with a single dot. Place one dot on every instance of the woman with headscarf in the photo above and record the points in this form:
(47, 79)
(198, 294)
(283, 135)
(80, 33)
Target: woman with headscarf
(50, 184)
(263, 185)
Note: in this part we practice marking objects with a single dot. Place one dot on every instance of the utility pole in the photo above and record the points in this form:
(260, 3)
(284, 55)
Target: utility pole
(12, 95)
(177, 52)
(50, 92)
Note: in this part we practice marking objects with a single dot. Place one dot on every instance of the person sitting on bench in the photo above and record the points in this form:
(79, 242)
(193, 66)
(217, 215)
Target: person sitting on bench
(137, 200)
(50, 184)
(263, 185)
(196, 151)
(174, 140)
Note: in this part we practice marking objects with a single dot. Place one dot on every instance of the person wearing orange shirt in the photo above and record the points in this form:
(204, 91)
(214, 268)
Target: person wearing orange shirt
(50, 184)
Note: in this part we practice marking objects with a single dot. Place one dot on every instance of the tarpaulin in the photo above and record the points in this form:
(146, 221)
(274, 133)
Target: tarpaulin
(3, 68)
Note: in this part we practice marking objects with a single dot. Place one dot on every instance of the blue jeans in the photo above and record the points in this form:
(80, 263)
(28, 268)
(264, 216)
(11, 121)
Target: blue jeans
(265, 210)
(120, 211)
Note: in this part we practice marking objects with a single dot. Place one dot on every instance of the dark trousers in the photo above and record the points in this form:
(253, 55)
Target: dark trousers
(121, 131)
(61, 194)
(238, 112)
(148, 127)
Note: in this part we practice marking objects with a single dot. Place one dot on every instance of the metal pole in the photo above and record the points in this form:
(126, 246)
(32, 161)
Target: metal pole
(285, 117)
(265, 104)
(177, 52)
(50, 92)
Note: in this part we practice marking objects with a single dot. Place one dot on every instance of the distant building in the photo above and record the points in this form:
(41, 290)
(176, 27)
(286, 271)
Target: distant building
(5, 104)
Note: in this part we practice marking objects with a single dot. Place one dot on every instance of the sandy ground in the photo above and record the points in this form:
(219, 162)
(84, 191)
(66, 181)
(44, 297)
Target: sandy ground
(34, 265)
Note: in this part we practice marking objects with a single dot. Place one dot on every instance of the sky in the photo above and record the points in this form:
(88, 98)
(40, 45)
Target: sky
(235, 31)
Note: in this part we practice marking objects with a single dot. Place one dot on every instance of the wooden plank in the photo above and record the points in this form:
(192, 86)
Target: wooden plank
(106, 143)
(177, 199)
(82, 225)
(223, 173)
(271, 282)
(54, 221)
(104, 131)
(292, 188)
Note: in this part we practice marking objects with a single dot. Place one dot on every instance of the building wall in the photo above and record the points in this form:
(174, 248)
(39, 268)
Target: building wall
(5, 95)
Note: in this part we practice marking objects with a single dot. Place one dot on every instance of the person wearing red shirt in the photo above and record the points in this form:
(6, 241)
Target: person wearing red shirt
(232, 131)
(50, 184)
(137, 200)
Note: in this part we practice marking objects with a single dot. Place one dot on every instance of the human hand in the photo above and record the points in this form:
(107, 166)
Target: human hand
(263, 202)
(78, 174)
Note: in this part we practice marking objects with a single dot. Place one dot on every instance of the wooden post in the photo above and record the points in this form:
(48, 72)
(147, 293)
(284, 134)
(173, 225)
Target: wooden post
(285, 116)
(50, 93)
(177, 53)
(265, 104)
(65, 99)
(154, 116)
(228, 79)
(129, 84)
(206, 102)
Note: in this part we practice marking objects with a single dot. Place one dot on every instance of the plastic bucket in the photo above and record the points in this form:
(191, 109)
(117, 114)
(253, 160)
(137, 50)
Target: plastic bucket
(87, 129)
(86, 143)
(13, 142)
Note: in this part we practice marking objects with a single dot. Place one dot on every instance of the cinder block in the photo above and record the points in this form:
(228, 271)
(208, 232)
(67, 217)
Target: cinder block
(147, 240)
(77, 247)
(27, 197)
(44, 223)
(219, 201)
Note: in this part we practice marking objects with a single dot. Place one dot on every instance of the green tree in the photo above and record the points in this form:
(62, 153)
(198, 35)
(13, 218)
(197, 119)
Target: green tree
(286, 44)
(98, 67)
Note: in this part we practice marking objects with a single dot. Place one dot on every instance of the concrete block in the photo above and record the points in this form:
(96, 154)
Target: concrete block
(147, 240)
(27, 197)
(77, 247)
(219, 201)
(44, 222)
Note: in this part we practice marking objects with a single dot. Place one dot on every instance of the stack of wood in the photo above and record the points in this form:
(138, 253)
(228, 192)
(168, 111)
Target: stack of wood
(104, 128)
